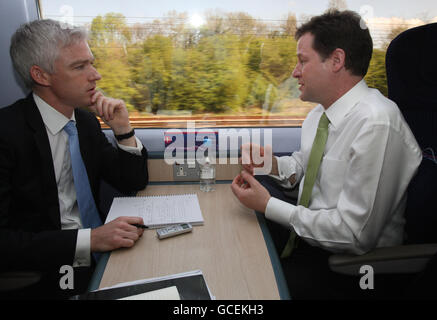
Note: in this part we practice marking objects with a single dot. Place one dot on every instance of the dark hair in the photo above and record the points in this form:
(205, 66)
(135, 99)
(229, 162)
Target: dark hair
(341, 29)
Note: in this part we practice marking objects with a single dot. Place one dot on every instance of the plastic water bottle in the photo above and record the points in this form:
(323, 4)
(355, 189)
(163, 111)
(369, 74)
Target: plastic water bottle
(207, 176)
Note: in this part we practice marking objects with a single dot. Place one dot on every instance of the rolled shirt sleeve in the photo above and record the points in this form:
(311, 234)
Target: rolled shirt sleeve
(288, 166)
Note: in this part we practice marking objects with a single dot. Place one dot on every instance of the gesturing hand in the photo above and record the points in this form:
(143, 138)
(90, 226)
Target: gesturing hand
(256, 159)
(250, 192)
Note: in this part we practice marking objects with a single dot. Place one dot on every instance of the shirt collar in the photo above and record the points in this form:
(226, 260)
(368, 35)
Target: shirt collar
(340, 108)
(52, 118)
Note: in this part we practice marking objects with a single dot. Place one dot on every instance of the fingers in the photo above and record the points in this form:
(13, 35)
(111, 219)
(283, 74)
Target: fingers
(132, 220)
(122, 239)
(249, 179)
(116, 234)
(246, 151)
(246, 167)
(128, 235)
(235, 186)
(128, 224)
(95, 96)
(237, 183)
(250, 192)
(125, 230)
(241, 183)
(252, 156)
(105, 107)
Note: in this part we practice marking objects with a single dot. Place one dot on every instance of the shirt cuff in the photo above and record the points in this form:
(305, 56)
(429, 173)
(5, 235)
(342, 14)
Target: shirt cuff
(82, 257)
(287, 168)
(279, 211)
(283, 175)
(134, 150)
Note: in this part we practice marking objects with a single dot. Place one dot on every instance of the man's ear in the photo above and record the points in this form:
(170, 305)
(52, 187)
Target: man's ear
(40, 76)
(338, 58)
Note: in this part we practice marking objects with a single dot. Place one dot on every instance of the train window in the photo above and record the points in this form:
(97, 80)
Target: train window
(218, 63)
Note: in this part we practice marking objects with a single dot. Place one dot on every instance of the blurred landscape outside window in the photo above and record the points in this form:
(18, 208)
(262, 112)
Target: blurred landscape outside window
(218, 68)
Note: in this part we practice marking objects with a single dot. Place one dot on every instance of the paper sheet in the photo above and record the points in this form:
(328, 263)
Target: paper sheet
(158, 211)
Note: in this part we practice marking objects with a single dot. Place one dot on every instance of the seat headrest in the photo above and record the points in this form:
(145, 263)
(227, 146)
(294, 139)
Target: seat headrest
(411, 63)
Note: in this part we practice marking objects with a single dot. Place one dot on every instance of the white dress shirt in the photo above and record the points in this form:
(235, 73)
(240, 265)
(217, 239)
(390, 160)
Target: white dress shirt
(359, 196)
(69, 210)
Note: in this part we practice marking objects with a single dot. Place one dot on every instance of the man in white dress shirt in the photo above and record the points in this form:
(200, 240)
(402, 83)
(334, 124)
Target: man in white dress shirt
(359, 194)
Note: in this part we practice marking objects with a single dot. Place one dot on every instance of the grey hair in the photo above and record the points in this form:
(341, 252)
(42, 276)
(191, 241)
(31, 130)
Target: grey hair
(38, 43)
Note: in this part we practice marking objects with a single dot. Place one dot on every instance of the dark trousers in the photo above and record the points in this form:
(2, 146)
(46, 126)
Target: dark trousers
(307, 270)
(48, 287)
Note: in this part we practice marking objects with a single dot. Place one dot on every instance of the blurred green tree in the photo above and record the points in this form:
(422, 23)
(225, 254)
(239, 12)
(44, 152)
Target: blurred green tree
(232, 64)
(109, 38)
(376, 76)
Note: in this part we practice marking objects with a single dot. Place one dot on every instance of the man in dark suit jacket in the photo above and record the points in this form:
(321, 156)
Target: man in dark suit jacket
(40, 225)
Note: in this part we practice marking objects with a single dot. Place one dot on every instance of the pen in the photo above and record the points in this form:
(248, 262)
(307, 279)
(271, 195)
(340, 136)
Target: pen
(142, 226)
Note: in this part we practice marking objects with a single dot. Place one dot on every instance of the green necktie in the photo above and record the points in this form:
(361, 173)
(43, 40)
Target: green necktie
(310, 175)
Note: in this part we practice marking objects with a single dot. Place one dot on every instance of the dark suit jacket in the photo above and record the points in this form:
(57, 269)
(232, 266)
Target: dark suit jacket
(30, 230)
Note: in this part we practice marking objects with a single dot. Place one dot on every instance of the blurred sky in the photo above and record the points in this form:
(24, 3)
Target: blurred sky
(266, 9)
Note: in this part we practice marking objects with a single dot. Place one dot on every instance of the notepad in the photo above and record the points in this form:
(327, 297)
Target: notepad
(170, 293)
(158, 211)
(189, 285)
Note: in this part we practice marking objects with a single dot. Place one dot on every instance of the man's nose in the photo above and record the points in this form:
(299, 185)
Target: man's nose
(95, 75)
(296, 72)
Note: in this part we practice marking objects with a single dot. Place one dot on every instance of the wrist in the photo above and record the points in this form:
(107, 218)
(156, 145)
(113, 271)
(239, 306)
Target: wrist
(123, 134)
(266, 202)
(122, 129)
(274, 170)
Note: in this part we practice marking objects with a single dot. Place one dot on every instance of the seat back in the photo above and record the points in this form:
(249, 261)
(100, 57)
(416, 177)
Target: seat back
(411, 63)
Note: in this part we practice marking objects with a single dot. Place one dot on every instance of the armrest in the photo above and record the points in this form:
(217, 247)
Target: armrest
(393, 260)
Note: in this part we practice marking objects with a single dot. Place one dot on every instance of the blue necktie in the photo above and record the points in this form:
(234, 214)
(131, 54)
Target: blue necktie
(87, 207)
